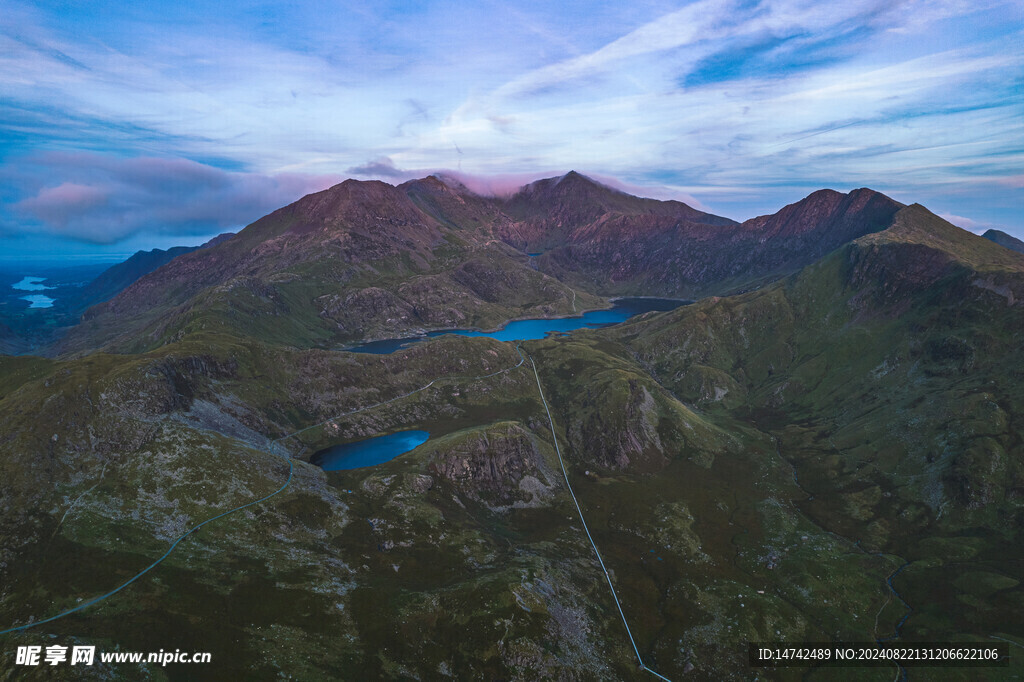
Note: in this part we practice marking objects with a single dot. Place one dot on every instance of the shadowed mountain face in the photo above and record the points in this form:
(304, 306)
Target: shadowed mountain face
(1003, 239)
(120, 276)
(347, 225)
(75, 288)
(835, 455)
(368, 260)
(558, 211)
(616, 244)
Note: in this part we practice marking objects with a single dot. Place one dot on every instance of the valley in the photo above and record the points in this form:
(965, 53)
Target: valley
(824, 446)
(531, 329)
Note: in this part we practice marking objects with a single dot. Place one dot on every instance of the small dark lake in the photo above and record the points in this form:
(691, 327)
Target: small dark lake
(369, 452)
(526, 330)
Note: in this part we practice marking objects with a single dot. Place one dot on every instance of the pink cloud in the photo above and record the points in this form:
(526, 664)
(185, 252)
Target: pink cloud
(499, 185)
(104, 199)
(507, 184)
(486, 185)
(56, 205)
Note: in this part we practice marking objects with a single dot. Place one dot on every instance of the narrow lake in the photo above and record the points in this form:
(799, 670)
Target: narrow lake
(369, 452)
(30, 284)
(525, 330)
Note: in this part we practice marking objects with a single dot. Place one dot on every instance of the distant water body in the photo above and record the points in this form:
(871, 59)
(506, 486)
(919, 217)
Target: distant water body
(39, 301)
(33, 284)
(526, 330)
(369, 452)
(30, 284)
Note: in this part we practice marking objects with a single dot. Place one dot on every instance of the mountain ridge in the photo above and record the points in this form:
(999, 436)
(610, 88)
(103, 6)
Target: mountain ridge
(834, 454)
(122, 275)
(375, 240)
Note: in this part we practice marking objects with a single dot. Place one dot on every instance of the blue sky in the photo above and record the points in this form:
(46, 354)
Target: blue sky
(126, 126)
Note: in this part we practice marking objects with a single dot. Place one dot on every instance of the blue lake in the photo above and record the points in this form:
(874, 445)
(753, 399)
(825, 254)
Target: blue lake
(369, 452)
(525, 330)
(30, 284)
(39, 301)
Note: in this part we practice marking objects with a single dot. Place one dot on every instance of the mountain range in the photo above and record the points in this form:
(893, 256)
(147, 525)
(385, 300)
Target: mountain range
(825, 445)
(389, 261)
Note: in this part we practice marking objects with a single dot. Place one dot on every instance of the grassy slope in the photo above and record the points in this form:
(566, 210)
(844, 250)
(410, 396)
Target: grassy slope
(369, 558)
(693, 440)
(314, 304)
(889, 375)
(266, 587)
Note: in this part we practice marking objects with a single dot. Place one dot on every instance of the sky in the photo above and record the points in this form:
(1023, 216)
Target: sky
(149, 124)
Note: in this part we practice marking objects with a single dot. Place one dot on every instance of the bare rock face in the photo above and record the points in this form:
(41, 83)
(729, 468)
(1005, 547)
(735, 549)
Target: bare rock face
(366, 308)
(629, 438)
(500, 466)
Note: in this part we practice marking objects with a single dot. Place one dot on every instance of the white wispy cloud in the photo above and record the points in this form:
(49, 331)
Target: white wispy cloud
(966, 223)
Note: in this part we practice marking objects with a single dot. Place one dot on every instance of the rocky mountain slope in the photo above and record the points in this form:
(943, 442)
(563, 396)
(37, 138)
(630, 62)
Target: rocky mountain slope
(357, 261)
(365, 260)
(835, 454)
(611, 243)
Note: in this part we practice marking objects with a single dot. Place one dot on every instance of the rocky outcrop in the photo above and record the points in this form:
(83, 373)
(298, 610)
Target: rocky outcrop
(499, 465)
(366, 308)
(620, 428)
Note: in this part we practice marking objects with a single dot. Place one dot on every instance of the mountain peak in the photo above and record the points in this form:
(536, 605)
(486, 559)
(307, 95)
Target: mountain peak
(835, 216)
(354, 201)
(570, 184)
(448, 182)
(916, 225)
(431, 183)
(578, 178)
(1003, 239)
(574, 181)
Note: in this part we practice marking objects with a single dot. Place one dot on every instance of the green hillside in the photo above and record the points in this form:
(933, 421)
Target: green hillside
(834, 456)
